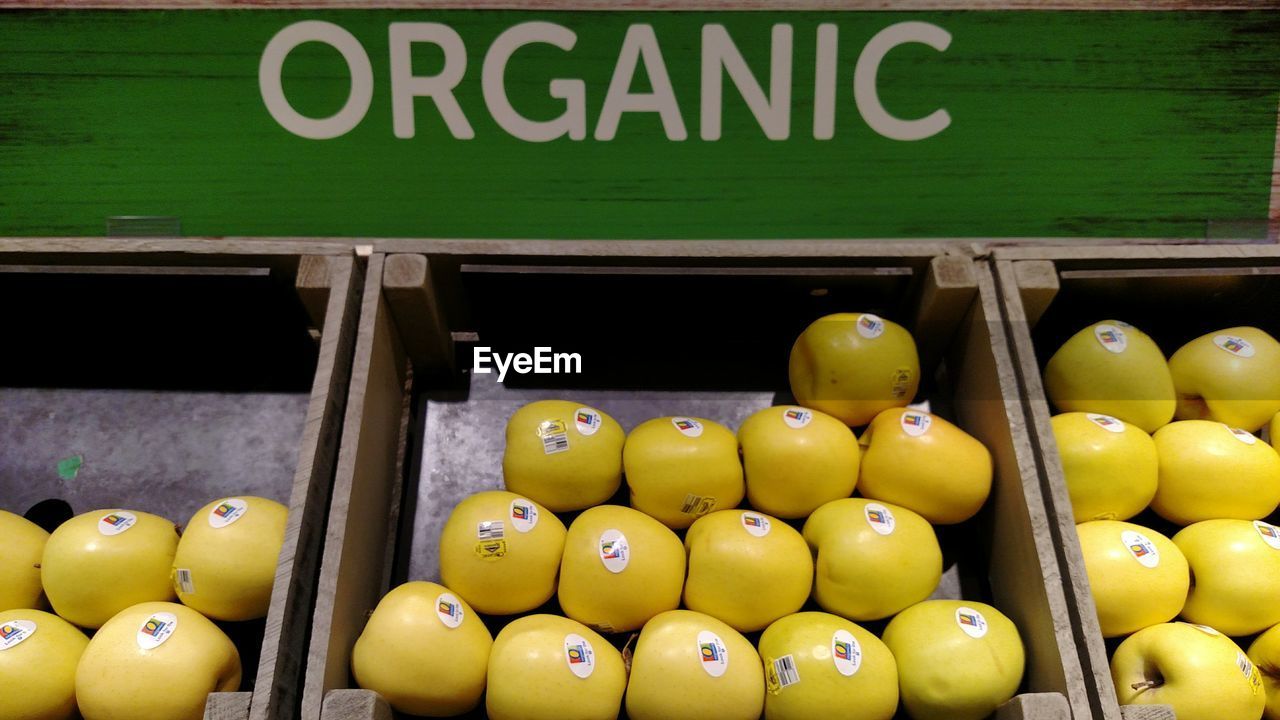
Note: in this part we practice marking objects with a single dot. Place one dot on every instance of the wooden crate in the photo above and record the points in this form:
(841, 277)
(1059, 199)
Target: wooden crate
(182, 371)
(378, 537)
(1174, 294)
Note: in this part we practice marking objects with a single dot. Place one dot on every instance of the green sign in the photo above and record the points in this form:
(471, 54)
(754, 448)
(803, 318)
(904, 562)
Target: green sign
(417, 123)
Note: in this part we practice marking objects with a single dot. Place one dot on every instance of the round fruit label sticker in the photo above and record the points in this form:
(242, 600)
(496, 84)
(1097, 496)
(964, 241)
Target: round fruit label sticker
(449, 610)
(1111, 337)
(1235, 345)
(1106, 422)
(870, 326)
(227, 512)
(1269, 533)
(687, 426)
(579, 655)
(1141, 548)
(156, 630)
(587, 421)
(757, 525)
(713, 654)
(14, 632)
(846, 652)
(971, 622)
(615, 553)
(880, 518)
(796, 418)
(523, 515)
(116, 522)
(1243, 436)
(915, 423)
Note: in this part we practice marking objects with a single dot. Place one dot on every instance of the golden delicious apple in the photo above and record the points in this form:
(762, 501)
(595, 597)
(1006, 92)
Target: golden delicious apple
(620, 568)
(1115, 369)
(746, 568)
(545, 667)
(20, 563)
(501, 552)
(563, 455)
(1209, 471)
(681, 468)
(97, 564)
(873, 559)
(226, 561)
(690, 666)
(1235, 565)
(957, 659)
(424, 650)
(796, 459)
(38, 657)
(924, 463)
(818, 665)
(1109, 465)
(1231, 376)
(1265, 654)
(854, 366)
(1196, 670)
(1138, 577)
(155, 660)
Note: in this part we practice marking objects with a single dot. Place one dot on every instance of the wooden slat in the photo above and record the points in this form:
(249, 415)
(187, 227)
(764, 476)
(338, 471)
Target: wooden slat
(1037, 282)
(360, 526)
(312, 284)
(790, 5)
(355, 705)
(284, 646)
(1034, 706)
(227, 706)
(946, 295)
(415, 305)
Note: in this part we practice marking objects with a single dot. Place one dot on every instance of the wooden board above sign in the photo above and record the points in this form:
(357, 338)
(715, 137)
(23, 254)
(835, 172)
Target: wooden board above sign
(642, 123)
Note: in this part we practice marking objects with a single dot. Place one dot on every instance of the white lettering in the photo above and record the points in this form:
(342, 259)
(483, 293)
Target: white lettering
(573, 122)
(640, 43)
(824, 83)
(774, 112)
(523, 363)
(405, 86)
(864, 81)
(572, 363)
(269, 80)
(479, 356)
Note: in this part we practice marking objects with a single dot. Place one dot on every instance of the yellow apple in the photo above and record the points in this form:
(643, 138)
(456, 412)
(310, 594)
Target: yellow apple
(1210, 471)
(1138, 577)
(226, 561)
(1115, 369)
(681, 468)
(1236, 567)
(1231, 376)
(957, 659)
(796, 459)
(501, 552)
(818, 665)
(924, 463)
(1265, 654)
(1110, 466)
(620, 568)
(424, 650)
(155, 660)
(38, 657)
(97, 564)
(690, 666)
(854, 366)
(545, 667)
(1197, 671)
(873, 559)
(20, 563)
(746, 568)
(563, 455)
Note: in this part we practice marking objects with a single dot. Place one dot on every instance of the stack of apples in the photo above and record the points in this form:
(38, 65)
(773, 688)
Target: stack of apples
(1177, 437)
(116, 573)
(685, 577)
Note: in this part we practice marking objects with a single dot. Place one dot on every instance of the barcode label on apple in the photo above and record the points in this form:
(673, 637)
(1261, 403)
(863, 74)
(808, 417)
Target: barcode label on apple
(553, 444)
(697, 505)
(784, 668)
(490, 530)
(185, 585)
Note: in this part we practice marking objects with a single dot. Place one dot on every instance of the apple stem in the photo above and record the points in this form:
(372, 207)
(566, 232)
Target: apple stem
(1146, 685)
